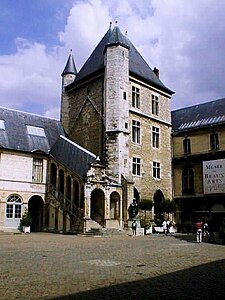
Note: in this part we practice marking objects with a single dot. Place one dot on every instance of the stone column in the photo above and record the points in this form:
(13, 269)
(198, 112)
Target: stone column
(87, 201)
(107, 203)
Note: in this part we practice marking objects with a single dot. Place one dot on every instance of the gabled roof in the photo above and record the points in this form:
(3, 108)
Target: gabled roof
(70, 67)
(15, 134)
(137, 65)
(72, 156)
(200, 115)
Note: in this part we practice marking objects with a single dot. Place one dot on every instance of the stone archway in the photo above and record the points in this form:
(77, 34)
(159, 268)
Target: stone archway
(98, 206)
(35, 208)
(136, 195)
(158, 198)
(114, 206)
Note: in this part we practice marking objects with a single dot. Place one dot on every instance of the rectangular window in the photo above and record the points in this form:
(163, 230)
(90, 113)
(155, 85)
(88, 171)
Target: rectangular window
(187, 146)
(124, 95)
(136, 129)
(156, 170)
(214, 141)
(136, 166)
(9, 211)
(37, 170)
(135, 97)
(39, 131)
(17, 211)
(155, 137)
(155, 105)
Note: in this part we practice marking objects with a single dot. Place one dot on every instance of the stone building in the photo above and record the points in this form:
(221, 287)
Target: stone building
(112, 146)
(41, 170)
(199, 161)
(117, 107)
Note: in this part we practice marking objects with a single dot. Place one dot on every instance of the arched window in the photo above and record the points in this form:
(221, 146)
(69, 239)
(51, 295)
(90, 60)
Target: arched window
(76, 193)
(13, 207)
(68, 187)
(53, 175)
(188, 181)
(61, 181)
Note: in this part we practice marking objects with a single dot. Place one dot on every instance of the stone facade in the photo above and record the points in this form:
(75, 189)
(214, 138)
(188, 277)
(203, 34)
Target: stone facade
(188, 174)
(16, 179)
(101, 118)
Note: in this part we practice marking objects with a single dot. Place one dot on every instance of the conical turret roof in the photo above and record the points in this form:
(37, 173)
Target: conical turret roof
(70, 67)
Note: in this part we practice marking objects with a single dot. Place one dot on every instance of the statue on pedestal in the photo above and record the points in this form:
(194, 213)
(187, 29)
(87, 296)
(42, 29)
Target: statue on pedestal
(133, 209)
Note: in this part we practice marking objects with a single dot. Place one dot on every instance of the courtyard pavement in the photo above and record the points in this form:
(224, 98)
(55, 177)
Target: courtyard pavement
(53, 266)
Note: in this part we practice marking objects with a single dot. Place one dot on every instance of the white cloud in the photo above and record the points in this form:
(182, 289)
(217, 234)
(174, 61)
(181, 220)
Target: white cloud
(175, 36)
(31, 76)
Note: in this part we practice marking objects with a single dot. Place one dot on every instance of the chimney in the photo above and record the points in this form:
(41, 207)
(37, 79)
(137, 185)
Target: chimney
(156, 71)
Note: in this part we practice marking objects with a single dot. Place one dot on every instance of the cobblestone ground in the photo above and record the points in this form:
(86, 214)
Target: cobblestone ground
(50, 266)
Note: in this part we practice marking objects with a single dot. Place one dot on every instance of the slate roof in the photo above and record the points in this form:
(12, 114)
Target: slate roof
(72, 156)
(70, 67)
(200, 115)
(137, 65)
(14, 135)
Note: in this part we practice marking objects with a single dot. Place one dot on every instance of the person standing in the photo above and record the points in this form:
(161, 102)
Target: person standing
(134, 227)
(198, 227)
(164, 225)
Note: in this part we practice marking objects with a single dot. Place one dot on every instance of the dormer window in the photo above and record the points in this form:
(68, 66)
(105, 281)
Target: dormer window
(2, 124)
(38, 131)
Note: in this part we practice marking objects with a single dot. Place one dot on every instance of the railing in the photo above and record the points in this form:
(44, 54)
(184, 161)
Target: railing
(66, 205)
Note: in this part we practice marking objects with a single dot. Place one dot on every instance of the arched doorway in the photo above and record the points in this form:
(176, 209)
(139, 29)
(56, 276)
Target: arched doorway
(217, 212)
(136, 195)
(158, 198)
(114, 206)
(35, 208)
(97, 206)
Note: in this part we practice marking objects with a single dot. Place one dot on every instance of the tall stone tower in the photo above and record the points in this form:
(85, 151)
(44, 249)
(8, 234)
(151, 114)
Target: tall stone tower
(118, 108)
(116, 112)
(68, 76)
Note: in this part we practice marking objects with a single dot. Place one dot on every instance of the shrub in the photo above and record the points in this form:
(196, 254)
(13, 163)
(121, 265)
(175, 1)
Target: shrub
(26, 219)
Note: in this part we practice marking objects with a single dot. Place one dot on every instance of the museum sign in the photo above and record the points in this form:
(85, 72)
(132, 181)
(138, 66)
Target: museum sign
(214, 176)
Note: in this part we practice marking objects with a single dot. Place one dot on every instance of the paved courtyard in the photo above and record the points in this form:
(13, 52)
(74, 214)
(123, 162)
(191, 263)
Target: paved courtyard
(50, 266)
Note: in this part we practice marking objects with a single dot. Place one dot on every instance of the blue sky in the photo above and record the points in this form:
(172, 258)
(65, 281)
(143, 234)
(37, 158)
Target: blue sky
(184, 39)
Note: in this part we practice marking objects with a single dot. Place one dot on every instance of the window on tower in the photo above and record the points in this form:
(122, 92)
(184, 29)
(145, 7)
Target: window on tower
(136, 166)
(156, 170)
(136, 129)
(135, 97)
(155, 105)
(155, 137)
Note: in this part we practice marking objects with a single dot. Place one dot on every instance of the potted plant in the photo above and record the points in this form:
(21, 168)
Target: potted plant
(26, 221)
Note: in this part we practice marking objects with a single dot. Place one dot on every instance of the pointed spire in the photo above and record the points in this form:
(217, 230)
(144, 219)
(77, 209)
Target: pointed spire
(118, 38)
(70, 67)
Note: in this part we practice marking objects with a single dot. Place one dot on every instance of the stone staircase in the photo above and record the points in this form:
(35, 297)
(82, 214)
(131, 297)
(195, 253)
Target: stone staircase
(104, 232)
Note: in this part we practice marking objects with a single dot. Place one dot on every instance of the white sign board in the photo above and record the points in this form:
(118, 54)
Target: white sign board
(214, 176)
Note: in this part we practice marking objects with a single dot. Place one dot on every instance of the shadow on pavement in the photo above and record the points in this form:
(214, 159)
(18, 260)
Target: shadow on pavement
(191, 238)
(206, 281)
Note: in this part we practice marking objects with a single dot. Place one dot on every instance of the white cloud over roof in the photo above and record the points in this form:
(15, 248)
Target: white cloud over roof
(184, 39)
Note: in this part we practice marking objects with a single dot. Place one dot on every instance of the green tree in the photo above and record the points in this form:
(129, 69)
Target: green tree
(145, 205)
(167, 206)
(26, 219)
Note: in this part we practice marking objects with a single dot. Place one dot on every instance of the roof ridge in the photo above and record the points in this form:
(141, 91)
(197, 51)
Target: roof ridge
(28, 113)
(78, 146)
